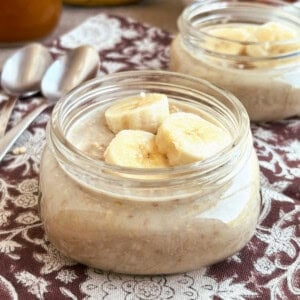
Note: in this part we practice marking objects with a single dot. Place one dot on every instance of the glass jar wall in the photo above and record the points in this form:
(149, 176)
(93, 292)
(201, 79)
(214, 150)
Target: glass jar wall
(147, 221)
(26, 20)
(267, 83)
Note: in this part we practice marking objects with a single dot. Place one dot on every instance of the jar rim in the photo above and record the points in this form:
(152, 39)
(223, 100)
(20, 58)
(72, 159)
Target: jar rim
(66, 151)
(209, 7)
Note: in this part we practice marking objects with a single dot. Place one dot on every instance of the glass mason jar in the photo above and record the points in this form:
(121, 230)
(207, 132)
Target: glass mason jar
(267, 85)
(100, 2)
(27, 20)
(148, 221)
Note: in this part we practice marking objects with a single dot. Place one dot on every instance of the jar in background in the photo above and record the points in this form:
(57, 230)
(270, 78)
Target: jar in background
(27, 20)
(148, 221)
(268, 86)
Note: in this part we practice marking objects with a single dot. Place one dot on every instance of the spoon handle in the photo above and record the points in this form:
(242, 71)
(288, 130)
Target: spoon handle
(12, 135)
(5, 114)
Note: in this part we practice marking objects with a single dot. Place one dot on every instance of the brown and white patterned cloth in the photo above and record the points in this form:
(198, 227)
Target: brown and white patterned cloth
(268, 267)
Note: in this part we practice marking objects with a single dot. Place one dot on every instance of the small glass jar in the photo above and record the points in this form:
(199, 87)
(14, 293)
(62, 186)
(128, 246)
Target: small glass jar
(268, 86)
(27, 20)
(149, 221)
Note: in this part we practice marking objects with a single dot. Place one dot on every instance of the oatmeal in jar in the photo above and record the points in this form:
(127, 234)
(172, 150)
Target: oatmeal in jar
(255, 55)
(159, 176)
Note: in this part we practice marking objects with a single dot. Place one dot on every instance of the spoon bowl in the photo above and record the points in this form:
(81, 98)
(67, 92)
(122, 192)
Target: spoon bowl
(21, 76)
(81, 64)
(23, 71)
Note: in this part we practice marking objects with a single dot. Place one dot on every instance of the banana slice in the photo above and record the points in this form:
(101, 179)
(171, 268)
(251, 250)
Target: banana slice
(142, 112)
(136, 149)
(274, 32)
(263, 34)
(232, 37)
(271, 32)
(257, 50)
(185, 138)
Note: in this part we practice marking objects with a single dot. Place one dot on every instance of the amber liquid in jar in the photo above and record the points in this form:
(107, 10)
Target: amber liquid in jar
(25, 20)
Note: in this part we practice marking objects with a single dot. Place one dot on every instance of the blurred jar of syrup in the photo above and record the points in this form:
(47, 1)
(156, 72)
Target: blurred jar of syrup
(27, 20)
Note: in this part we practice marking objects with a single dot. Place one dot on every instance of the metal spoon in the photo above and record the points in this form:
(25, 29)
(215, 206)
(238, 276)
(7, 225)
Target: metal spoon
(66, 73)
(21, 76)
